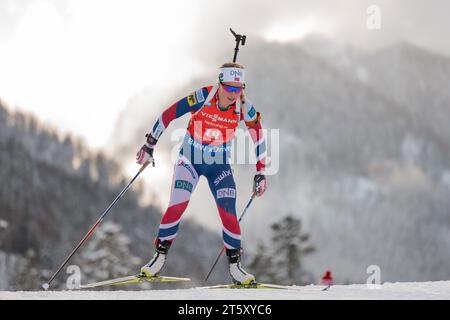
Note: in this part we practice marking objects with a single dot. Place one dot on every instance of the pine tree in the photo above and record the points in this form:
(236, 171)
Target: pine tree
(260, 263)
(29, 276)
(290, 245)
(283, 262)
(107, 255)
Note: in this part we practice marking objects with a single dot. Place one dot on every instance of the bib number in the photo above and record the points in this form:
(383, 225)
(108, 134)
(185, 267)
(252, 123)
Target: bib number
(212, 134)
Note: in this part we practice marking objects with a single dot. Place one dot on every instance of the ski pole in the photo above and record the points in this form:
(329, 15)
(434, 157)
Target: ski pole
(88, 234)
(223, 248)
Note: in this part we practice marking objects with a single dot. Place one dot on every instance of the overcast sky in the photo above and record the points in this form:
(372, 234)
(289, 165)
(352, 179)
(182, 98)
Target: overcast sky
(75, 63)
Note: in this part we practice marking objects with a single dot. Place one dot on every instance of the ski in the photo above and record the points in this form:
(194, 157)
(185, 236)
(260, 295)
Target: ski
(132, 279)
(246, 286)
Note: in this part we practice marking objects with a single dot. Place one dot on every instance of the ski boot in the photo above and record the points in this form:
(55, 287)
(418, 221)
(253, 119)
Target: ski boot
(238, 274)
(152, 268)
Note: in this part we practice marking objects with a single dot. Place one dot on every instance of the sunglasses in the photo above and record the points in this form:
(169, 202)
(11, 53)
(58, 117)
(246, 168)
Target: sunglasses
(231, 88)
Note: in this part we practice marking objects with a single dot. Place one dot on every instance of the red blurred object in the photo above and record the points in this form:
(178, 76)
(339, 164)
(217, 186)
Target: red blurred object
(327, 279)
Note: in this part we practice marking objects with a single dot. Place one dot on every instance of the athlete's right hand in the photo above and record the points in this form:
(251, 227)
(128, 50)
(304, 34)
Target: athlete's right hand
(259, 184)
(145, 154)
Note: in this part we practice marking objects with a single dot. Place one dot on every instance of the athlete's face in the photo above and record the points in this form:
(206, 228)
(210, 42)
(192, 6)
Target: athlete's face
(229, 92)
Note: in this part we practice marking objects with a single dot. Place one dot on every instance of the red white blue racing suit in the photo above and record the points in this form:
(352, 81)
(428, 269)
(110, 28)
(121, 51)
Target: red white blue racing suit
(205, 151)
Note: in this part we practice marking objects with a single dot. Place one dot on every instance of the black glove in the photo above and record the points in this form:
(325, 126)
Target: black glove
(259, 184)
(145, 154)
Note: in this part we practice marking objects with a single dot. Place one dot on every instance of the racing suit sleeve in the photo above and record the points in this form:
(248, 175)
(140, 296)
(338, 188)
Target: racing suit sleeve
(252, 120)
(191, 103)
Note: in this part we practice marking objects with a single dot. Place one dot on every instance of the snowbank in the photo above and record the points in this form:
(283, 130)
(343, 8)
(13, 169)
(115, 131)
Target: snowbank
(387, 291)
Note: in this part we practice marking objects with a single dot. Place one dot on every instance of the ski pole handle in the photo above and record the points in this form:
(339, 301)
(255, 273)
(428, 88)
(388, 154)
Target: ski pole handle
(145, 166)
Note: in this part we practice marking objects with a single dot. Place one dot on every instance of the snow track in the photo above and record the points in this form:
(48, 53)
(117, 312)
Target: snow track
(387, 291)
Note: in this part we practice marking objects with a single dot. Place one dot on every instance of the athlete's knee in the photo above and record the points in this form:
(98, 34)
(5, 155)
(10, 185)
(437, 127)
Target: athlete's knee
(174, 212)
(227, 205)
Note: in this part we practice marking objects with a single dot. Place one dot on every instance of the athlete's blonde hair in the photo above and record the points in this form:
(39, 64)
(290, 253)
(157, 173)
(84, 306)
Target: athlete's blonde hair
(232, 65)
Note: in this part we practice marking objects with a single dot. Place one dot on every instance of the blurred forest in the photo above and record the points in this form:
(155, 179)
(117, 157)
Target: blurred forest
(53, 190)
(364, 164)
(364, 152)
(282, 261)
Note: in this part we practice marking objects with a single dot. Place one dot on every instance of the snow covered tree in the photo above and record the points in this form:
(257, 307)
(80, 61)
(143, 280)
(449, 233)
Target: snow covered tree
(29, 276)
(50, 198)
(260, 265)
(282, 262)
(291, 245)
(107, 255)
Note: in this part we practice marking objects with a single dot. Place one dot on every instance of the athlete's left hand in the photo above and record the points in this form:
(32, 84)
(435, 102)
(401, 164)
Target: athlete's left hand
(259, 184)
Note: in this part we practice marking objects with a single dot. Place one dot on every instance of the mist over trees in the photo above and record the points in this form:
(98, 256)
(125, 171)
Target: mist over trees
(364, 164)
(281, 261)
(54, 189)
(364, 155)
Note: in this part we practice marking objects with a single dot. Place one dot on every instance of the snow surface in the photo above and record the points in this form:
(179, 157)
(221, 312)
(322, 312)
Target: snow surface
(388, 291)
